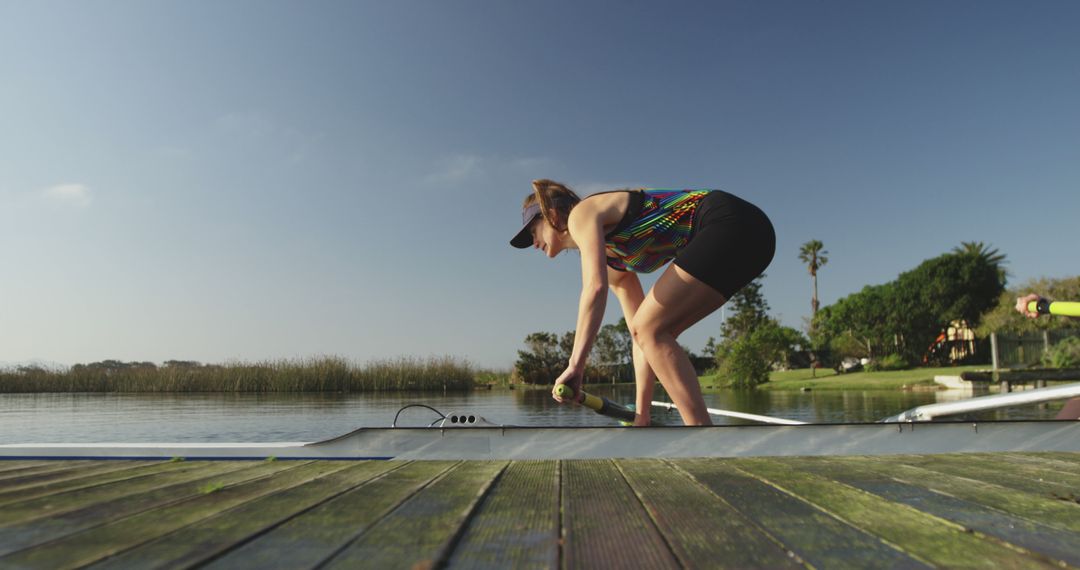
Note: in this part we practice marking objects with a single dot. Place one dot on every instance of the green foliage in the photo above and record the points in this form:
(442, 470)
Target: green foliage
(1004, 317)
(710, 348)
(614, 345)
(547, 355)
(542, 362)
(906, 315)
(888, 362)
(748, 359)
(1065, 354)
(211, 487)
(754, 343)
(749, 310)
(745, 363)
(813, 254)
(488, 377)
(322, 374)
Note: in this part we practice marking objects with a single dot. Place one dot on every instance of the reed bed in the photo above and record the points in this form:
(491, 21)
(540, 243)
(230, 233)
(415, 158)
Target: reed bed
(321, 374)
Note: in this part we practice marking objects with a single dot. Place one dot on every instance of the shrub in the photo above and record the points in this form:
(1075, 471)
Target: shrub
(890, 362)
(1065, 354)
(745, 363)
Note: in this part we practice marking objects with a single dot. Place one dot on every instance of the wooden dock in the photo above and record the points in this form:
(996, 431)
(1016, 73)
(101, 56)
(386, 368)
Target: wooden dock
(1001, 510)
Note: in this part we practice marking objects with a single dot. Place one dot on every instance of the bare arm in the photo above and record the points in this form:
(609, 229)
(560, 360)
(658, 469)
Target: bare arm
(587, 228)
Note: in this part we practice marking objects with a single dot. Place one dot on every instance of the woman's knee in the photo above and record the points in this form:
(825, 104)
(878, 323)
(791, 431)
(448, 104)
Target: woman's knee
(645, 333)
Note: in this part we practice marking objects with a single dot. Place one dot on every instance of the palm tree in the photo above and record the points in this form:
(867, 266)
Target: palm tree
(990, 255)
(812, 254)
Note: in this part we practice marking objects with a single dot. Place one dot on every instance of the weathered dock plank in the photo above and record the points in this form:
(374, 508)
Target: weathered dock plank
(1043, 508)
(215, 534)
(308, 540)
(1040, 460)
(820, 539)
(44, 482)
(8, 465)
(1073, 458)
(924, 536)
(1056, 544)
(993, 470)
(604, 522)
(94, 477)
(954, 511)
(15, 471)
(422, 530)
(96, 543)
(78, 515)
(517, 526)
(62, 502)
(702, 530)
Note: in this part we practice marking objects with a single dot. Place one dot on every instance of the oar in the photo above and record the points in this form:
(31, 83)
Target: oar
(598, 404)
(1047, 307)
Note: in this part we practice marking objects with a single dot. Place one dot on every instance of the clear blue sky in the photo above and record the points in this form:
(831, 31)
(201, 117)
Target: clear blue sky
(235, 180)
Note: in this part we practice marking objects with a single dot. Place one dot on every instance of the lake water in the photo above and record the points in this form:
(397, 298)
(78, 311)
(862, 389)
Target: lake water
(83, 418)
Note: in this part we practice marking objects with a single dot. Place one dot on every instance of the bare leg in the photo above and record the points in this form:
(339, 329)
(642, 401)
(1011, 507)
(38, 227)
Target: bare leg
(643, 382)
(676, 301)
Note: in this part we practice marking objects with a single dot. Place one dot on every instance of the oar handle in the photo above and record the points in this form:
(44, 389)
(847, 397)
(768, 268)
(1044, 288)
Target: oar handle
(1046, 307)
(597, 404)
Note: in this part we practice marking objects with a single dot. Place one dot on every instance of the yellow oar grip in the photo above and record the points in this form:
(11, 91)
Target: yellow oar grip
(597, 404)
(588, 400)
(1064, 308)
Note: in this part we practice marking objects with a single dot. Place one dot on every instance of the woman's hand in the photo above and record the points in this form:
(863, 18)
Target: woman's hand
(572, 377)
(1022, 305)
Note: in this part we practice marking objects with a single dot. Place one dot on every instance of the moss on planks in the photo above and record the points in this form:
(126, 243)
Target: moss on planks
(835, 512)
(1000, 471)
(1041, 507)
(74, 477)
(604, 523)
(517, 526)
(421, 531)
(316, 535)
(820, 539)
(924, 536)
(80, 516)
(1023, 533)
(701, 529)
(239, 519)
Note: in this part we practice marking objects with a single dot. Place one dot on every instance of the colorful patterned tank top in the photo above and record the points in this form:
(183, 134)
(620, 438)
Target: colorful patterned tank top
(663, 224)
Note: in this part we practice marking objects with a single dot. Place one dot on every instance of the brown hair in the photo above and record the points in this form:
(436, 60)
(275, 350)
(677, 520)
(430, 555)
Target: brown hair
(552, 196)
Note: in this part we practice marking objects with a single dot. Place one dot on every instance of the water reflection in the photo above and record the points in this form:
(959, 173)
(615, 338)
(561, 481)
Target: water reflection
(36, 418)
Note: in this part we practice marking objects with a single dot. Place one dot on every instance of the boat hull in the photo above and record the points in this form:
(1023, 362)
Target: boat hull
(602, 442)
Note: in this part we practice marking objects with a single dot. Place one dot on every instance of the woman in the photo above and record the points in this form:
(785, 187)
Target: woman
(718, 241)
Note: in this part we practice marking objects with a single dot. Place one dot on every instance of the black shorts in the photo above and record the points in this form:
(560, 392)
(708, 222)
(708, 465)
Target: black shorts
(732, 243)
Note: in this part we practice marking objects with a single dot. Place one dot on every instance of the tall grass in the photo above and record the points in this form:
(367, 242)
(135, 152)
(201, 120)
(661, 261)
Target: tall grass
(321, 374)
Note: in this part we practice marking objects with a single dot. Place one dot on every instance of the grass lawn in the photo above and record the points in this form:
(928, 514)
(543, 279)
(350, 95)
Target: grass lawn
(828, 380)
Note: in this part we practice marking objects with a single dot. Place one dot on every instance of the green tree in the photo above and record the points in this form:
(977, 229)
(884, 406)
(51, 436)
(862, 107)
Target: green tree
(543, 360)
(989, 255)
(748, 359)
(749, 310)
(710, 348)
(906, 315)
(813, 254)
(614, 348)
